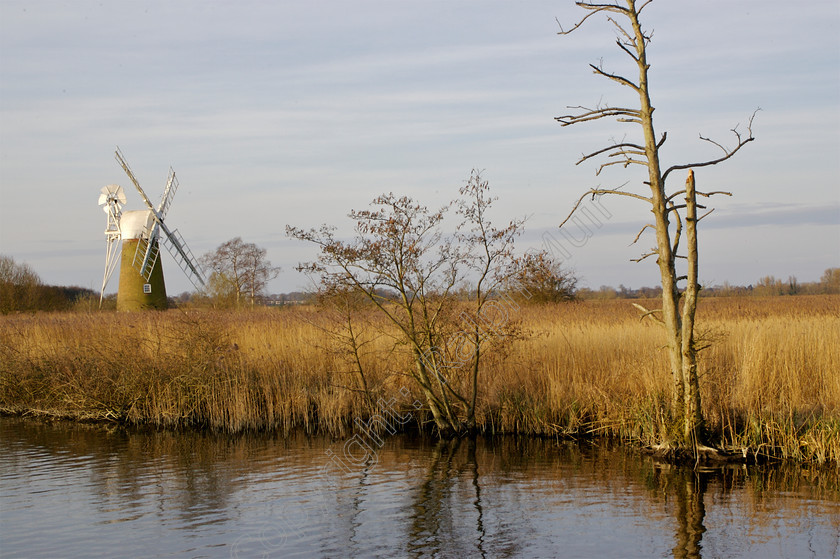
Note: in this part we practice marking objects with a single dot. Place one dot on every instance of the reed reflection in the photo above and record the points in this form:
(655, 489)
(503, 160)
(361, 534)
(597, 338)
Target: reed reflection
(127, 469)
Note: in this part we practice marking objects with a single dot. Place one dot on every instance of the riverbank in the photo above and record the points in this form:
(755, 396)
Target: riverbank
(770, 382)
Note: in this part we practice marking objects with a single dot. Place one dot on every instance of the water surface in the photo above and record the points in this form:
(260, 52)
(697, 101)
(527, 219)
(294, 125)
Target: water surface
(71, 490)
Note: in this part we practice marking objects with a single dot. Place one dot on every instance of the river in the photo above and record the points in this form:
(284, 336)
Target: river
(77, 490)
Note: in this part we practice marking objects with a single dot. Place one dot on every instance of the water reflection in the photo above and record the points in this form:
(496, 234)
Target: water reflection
(434, 518)
(689, 490)
(90, 491)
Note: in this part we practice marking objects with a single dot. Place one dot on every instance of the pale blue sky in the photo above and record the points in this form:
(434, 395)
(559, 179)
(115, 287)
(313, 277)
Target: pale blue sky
(276, 113)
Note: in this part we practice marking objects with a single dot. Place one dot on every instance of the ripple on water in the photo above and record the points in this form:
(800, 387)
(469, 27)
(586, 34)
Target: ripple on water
(87, 491)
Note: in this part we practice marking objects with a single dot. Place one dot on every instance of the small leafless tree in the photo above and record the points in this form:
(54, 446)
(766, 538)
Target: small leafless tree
(412, 272)
(674, 220)
(238, 269)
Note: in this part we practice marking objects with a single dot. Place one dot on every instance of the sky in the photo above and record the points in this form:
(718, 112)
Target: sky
(292, 112)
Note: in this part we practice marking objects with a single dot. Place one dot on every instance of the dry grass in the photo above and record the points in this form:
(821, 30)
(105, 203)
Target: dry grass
(770, 379)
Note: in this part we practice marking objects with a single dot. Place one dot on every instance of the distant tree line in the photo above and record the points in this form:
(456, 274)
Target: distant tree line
(535, 278)
(766, 286)
(21, 290)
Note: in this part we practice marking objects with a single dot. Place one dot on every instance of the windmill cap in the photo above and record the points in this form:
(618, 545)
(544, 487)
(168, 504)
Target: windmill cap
(134, 222)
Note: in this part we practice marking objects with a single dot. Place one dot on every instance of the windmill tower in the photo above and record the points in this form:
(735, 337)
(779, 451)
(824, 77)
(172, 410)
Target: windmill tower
(141, 232)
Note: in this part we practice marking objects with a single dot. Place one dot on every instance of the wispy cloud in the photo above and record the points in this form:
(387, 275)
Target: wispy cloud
(274, 112)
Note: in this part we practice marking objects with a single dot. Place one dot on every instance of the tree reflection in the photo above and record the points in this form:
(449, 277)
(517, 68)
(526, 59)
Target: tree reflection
(473, 462)
(689, 490)
(438, 525)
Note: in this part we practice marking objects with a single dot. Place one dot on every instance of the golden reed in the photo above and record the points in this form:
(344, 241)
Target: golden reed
(770, 376)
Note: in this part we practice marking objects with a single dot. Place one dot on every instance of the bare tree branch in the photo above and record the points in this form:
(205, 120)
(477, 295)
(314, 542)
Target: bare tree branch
(676, 207)
(630, 39)
(625, 48)
(594, 9)
(620, 79)
(642, 7)
(652, 226)
(711, 141)
(595, 114)
(653, 252)
(678, 232)
(704, 194)
(727, 152)
(614, 147)
(598, 192)
(650, 314)
(603, 7)
(705, 214)
(714, 192)
(625, 163)
(626, 152)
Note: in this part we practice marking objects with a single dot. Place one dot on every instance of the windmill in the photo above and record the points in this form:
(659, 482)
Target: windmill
(140, 231)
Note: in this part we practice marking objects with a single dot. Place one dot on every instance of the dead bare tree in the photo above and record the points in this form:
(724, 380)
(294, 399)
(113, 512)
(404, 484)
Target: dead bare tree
(679, 321)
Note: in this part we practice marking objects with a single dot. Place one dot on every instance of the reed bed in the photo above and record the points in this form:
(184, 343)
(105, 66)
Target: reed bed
(770, 377)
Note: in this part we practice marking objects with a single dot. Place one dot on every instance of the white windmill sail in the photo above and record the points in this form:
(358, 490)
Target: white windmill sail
(148, 248)
(146, 253)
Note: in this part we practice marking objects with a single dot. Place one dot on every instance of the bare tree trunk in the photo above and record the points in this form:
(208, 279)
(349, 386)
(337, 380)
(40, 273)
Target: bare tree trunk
(441, 411)
(665, 251)
(474, 395)
(692, 415)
